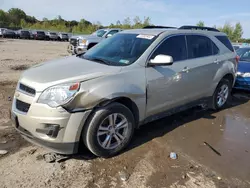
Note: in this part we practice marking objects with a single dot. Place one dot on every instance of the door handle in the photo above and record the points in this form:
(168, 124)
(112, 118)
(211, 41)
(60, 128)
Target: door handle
(185, 69)
(216, 61)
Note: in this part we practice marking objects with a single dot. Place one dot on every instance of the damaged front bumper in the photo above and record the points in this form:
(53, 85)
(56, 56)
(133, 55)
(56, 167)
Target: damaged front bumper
(53, 128)
(76, 50)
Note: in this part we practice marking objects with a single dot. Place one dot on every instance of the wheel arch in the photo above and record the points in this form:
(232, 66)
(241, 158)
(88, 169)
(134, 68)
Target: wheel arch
(130, 104)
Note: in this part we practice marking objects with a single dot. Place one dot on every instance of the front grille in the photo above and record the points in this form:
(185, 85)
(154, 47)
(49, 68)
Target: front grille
(73, 42)
(22, 106)
(27, 89)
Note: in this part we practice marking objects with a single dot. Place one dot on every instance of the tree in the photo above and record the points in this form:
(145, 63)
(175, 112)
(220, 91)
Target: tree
(15, 15)
(137, 20)
(238, 32)
(3, 18)
(200, 24)
(23, 23)
(127, 23)
(118, 23)
(147, 21)
(228, 29)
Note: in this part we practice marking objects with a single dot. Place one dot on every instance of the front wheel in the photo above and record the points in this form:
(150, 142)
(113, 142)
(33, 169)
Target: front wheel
(109, 130)
(222, 94)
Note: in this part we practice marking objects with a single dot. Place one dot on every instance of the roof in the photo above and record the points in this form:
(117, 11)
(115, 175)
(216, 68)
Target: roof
(147, 31)
(157, 31)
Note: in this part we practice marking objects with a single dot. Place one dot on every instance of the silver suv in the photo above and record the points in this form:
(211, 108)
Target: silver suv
(99, 98)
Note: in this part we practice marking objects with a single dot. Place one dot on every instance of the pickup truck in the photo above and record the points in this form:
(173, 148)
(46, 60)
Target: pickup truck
(81, 43)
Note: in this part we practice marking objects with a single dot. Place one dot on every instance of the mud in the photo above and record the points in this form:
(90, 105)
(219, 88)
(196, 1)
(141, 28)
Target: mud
(223, 161)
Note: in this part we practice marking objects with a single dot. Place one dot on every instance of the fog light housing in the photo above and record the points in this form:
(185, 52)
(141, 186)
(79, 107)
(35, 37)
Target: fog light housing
(50, 130)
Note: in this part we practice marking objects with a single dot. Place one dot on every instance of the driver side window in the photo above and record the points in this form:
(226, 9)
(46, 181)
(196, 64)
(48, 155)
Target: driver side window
(112, 32)
(174, 46)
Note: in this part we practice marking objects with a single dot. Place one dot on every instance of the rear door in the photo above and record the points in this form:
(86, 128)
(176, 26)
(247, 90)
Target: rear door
(202, 64)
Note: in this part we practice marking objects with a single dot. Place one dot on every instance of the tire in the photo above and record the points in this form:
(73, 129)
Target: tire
(100, 118)
(224, 83)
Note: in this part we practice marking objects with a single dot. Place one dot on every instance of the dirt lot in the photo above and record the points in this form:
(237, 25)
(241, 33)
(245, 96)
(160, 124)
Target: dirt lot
(213, 148)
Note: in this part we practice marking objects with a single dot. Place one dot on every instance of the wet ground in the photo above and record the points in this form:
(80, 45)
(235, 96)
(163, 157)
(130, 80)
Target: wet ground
(213, 147)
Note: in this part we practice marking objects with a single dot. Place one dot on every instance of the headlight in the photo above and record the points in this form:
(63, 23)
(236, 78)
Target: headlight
(59, 95)
(84, 41)
(246, 74)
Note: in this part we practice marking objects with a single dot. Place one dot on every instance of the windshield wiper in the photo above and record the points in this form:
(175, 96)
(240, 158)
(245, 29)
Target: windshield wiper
(99, 60)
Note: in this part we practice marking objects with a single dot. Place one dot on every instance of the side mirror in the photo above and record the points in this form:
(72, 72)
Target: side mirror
(109, 35)
(161, 60)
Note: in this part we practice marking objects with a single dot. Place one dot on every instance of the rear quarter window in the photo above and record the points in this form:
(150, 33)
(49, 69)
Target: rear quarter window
(224, 40)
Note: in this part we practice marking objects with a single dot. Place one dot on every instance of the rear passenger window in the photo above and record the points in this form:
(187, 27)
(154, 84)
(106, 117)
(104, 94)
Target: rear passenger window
(199, 46)
(226, 42)
(173, 46)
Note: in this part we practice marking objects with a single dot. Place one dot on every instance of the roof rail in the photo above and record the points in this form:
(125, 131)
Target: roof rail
(158, 27)
(198, 28)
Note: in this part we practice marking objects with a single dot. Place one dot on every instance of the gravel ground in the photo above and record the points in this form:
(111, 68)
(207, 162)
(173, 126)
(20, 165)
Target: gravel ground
(213, 148)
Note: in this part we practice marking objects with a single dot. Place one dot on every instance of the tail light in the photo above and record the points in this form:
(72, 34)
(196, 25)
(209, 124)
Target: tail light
(237, 59)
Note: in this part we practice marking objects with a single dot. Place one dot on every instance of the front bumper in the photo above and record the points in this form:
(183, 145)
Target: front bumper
(71, 49)
(53, 128)
(76, 50)
(242, 83)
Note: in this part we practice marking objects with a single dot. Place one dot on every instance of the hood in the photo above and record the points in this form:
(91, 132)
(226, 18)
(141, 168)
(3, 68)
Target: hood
(244, 66)
(69, 69)
(79, 36)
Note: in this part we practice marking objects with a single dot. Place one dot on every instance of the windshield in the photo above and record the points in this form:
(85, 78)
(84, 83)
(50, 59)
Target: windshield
(100, 32)
(120, 50)
(244, 54)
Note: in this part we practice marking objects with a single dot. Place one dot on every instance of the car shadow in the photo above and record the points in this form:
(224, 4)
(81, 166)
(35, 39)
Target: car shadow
(161, 127)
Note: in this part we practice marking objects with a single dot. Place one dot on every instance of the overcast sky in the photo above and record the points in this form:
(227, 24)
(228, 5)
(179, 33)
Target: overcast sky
(161, 12)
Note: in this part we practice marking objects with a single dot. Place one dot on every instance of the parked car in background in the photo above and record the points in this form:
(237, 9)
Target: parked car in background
(1, 31)
(100, 97)
(243, 73)
(37, 35)
(69, 35)
(7, 33)
(240, 45)
(236, 47)
(23, 34)
(82, 43)
(63, 36)
(51, 35)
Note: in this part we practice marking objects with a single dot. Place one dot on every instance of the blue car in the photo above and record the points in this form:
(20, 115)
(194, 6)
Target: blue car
(243, 73)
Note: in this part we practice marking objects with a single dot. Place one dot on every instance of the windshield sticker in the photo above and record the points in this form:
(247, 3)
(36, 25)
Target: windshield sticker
(124, 61)
(149, 37)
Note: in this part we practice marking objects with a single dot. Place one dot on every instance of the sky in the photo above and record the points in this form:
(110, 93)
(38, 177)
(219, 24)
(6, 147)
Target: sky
(161, 12)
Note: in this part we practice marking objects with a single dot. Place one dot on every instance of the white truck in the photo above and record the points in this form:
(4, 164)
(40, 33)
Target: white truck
(81, 43)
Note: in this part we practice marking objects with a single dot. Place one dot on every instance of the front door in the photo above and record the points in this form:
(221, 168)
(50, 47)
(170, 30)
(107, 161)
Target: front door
(167, 85)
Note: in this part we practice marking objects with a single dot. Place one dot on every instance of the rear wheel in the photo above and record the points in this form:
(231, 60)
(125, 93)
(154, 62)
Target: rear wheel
(109, 130)
(222, 94)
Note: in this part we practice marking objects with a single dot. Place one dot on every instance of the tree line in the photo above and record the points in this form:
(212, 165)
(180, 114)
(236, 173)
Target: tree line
(234, 32)
(17, 18)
